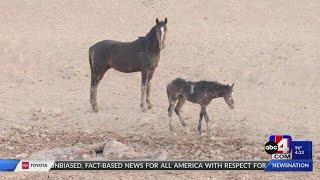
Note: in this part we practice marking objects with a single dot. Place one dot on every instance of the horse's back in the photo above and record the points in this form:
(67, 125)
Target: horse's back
(192, 91)
(104, 45)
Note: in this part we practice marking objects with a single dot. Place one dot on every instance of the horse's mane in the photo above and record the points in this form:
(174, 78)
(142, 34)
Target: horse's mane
(151, 38)
(151, 32)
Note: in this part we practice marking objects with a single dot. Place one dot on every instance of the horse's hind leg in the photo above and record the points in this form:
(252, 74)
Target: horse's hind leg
(95, 79)
(177, 109)
(203, 109)
(206, 117)
(98, 69)
(93, 92)
(172, 103)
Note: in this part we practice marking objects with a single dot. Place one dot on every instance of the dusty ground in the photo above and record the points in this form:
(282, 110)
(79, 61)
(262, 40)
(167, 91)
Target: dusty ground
(269, 49)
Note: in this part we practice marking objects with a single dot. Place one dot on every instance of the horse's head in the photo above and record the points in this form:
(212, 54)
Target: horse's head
(161, 32)
(228, 96)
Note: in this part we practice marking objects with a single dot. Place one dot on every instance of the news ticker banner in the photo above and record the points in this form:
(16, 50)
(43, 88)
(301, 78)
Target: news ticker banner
(44, 166)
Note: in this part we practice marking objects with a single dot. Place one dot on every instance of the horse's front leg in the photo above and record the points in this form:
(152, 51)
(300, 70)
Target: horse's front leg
(150, 75)
(144, 83)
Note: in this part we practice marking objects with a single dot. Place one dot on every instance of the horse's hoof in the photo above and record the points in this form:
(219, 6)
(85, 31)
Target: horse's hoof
(172, 133)
(95, 109)
(143, 107)
(209, 136)
(144, 110)
(199, 132)
(170, 129)
(150, 106)
(186, 130)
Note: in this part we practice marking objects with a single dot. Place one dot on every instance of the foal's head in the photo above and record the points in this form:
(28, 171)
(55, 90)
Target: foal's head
(228, 96)
(161, 31)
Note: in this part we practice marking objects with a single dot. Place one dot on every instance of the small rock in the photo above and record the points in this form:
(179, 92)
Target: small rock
(114, 147)
(160, 156)
(197, 153)
(10, 148)
(85, 156)
(22, 155)
(72, 157)
(116, 150)
(35, 134)
(93, 154)
(63, 157)
(57, 112)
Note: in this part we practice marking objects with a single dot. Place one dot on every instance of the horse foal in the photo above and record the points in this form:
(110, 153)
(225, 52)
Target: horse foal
(201, 92)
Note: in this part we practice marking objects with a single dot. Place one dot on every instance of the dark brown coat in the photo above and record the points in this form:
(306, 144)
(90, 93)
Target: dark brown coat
(141, 55)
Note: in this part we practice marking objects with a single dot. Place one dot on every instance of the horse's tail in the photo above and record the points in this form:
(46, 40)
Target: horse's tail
(91, 54)
(168, 91)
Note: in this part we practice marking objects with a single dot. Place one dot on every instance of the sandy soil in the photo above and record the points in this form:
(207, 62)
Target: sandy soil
(269, 49)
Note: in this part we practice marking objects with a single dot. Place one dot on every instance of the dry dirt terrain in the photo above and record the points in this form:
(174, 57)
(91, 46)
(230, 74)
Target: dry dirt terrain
(269, 49)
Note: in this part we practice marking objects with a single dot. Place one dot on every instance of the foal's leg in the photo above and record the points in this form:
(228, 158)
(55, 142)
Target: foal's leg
(206, 117)
(144, 82)
(200, 118)
(150, 75)
(177, 109)
(172, 103)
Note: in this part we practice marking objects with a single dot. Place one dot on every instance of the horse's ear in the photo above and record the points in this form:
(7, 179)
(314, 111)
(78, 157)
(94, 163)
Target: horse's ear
(157, 21)
(232, 85)
(165, 21)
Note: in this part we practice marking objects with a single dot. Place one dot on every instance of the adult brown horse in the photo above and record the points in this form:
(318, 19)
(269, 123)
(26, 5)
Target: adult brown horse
(141, 55)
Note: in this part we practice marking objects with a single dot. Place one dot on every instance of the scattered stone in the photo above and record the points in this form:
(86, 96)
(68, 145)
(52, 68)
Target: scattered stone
(10, 148)
(160, 155)
(72, 157)
(116, 150)
(56, 112)
(110, 149)
(85, 156)
(198, 152)
(21, 156)
(63, 157)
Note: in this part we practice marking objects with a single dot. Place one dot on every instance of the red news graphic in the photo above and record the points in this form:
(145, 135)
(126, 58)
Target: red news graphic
(25, 165)
(283, 142)
(279, 146)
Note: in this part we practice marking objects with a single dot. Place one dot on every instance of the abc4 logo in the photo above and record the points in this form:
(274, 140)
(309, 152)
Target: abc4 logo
(278, 144)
